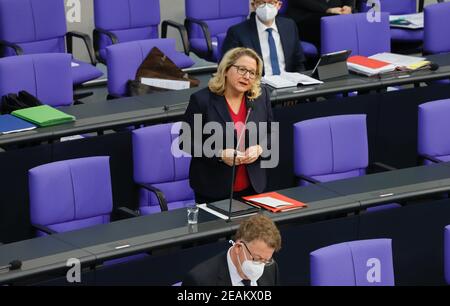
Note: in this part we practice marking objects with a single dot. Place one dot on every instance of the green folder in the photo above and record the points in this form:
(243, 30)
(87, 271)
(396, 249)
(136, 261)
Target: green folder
(43, 115)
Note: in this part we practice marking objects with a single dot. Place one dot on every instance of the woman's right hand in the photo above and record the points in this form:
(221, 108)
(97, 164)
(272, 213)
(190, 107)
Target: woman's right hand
(227, 156)
(335, 10)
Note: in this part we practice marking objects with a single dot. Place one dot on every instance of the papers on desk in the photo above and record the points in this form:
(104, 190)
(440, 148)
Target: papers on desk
(398, 60)
(274, 202)
(167, 84)
(289, 79)
(384, 62)
(409, 21)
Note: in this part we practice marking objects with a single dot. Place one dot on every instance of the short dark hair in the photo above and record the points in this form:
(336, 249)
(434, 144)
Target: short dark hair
(260, 227)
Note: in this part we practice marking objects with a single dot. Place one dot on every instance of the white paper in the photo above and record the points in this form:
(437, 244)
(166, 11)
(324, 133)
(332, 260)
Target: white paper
(289, 79)
(69, 138)
(272, 202)
(73, 64)
(397, 59)
(416, 20)
(167, 84)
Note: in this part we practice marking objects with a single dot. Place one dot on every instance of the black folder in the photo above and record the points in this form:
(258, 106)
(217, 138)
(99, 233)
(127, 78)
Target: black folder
(238, 208)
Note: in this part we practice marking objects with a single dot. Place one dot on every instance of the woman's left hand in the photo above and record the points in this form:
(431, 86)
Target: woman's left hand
(346, 10)
(251, 154)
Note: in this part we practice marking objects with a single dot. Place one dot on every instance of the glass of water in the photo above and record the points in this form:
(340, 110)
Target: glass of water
(192, 214)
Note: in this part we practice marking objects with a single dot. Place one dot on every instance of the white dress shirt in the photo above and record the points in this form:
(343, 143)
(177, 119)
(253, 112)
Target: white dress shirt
(265, 50)
(236, 279)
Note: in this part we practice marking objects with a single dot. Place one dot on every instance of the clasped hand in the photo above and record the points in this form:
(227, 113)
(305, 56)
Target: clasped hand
(340, 10)
(249, 156)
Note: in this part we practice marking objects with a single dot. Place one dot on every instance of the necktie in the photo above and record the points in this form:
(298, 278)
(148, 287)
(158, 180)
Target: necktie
(273, 53)
(246, 282)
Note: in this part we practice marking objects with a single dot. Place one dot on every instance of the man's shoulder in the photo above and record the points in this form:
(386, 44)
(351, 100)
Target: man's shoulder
(242, 26)
(207, 272)
(285, 21)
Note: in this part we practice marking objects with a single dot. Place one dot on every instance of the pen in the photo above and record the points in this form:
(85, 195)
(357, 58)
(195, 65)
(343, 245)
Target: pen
(303, 90)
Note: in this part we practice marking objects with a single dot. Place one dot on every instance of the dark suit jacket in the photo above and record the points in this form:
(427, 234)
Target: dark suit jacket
(214, 272)
(245, 34)
(300, 10)
(208, 176)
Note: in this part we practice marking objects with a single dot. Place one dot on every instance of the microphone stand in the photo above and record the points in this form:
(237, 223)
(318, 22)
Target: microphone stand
(233, 170)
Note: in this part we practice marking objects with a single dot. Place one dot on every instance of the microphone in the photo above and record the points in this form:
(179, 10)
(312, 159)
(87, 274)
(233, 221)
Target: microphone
(13, 265)
(434, 66)
(250, 106)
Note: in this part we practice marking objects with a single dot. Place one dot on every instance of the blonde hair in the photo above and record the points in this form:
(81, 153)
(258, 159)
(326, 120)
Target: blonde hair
(217, 83)
(260, 227)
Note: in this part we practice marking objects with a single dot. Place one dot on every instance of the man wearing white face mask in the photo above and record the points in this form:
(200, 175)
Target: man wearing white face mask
(247, 263)
(274, 38)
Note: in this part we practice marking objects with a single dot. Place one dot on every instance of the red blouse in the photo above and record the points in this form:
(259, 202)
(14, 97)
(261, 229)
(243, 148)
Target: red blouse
(242, 181)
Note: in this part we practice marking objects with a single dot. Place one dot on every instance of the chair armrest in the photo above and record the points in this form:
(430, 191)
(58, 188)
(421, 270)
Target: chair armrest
(44, 229)
(431, 158)
(422, 4)
(96, 36)
(181, 29)
(17, 49)
(87, 42)
(112, 97)
(382, 166)
(159, 194)
(127, 212)
(205, 29)
(308, 179)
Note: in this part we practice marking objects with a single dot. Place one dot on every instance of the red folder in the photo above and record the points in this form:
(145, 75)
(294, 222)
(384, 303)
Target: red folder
(367, 62)
(275, 195)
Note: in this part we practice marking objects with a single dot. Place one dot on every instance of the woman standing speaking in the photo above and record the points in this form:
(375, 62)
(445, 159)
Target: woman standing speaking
(233, 94)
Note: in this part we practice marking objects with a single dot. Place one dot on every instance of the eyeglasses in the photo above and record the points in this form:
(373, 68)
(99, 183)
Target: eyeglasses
(262, 4)
(243, 71)
(266, 262)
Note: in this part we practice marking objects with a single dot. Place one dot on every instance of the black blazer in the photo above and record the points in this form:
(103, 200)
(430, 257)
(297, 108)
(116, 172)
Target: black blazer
(209, 176)
(245, 34)
(299, 10)
(214, 272)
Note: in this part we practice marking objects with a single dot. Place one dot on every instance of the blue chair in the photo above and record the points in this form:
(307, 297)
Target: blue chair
(354, 32)
(432, 120)
(436, 27)
(332, 148)
(163, 177)
(447, 253)
(354, 263)
(46, 76)
(207, 21)
(399, 7)
(36, 26)
(72, 194)
(119, 21)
